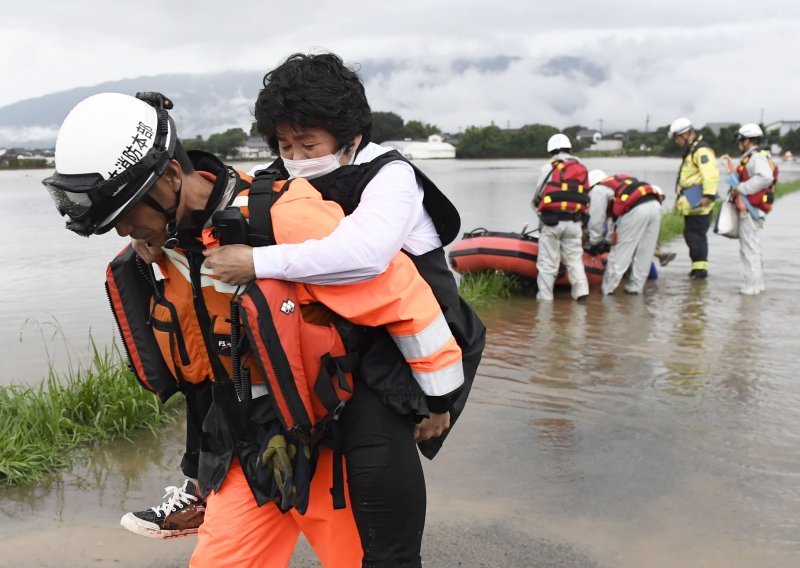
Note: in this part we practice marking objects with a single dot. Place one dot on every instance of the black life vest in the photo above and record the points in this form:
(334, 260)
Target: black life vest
(345, 186)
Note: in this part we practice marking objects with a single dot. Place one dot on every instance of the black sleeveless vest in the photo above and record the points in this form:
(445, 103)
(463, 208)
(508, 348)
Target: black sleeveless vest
(345, 185)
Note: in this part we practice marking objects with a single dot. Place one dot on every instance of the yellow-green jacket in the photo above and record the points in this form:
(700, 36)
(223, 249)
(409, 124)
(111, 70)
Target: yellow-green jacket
(699, 167)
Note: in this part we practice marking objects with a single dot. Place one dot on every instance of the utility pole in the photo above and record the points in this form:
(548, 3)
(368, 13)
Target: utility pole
(600, 122)
(646, 124)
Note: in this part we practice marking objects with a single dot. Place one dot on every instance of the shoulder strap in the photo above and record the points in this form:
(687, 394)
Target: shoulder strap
(262, 198)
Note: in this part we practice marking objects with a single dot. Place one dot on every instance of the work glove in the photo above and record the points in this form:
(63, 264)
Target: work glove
(732, 179)
(278, 457)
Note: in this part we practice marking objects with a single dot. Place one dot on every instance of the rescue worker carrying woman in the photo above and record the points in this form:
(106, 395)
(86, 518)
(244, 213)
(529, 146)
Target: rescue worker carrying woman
(562, 201)
(314, 113)
(754, 180)
(119, 164)
(697, 190)
(634, 207)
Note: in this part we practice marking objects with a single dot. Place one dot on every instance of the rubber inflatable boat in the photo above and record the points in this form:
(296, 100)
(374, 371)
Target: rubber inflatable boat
(481, 250)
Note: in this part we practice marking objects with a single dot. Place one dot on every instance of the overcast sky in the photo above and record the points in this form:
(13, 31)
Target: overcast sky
(571, 62)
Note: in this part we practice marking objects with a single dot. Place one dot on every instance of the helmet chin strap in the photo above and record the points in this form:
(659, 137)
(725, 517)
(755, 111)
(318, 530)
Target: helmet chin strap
(170, 214)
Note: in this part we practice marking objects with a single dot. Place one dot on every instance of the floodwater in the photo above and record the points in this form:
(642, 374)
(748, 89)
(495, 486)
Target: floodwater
(656, 430)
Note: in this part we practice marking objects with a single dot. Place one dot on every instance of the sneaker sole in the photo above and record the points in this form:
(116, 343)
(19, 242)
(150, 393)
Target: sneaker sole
(136, 525)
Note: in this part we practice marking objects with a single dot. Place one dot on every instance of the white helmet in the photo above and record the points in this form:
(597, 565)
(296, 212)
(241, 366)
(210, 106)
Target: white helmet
(679, 126)
(596, 176)
(110, 151)
(558, 142)
(749, 130)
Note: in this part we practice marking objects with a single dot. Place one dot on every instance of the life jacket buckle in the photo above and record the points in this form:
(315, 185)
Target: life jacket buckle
(337, 412)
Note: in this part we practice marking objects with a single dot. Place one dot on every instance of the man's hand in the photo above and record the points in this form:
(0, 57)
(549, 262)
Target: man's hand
(432, 427)
(146, 251)
(232, 264)
(705, 202)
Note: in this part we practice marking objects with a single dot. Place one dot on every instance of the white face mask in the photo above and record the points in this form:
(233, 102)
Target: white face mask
(313, 167)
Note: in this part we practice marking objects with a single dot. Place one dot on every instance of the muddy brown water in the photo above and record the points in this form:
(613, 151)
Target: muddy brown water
(655, 430)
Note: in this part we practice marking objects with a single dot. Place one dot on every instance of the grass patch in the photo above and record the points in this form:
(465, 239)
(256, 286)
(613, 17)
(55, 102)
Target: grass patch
(45, 428)
(482, 288)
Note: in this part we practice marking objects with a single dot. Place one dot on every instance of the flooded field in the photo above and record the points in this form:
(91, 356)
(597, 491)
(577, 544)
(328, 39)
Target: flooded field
(657, 430)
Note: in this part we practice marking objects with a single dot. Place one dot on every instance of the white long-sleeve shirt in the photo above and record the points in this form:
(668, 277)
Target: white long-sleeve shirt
(599, 198)
(390, 216)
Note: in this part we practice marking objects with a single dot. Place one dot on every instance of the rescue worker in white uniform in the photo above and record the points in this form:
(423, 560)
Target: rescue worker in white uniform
(637, 208)
(561, 200)
(755, 182)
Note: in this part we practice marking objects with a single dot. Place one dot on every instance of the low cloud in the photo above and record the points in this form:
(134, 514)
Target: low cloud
(31, 137)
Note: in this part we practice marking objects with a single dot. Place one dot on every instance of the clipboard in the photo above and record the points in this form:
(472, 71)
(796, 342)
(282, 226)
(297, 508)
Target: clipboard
(693, 195)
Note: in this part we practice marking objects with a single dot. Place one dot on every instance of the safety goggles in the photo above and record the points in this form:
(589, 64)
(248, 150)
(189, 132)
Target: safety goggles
(94, 204)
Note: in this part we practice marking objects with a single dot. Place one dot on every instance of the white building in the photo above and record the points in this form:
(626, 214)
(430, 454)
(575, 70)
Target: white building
(783, 126)
(254, 148)
(421, 150)
(584, 135)
(607, 145)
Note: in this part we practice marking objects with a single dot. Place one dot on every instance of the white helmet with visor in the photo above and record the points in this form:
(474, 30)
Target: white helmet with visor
(110, 151)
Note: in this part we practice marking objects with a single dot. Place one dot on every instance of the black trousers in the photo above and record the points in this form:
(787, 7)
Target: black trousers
(385, 480)
(198, 401)
(695, 229)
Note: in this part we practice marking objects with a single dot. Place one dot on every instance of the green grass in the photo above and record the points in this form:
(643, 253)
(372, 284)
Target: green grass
(481, 288)
(45, 428)
(485, 287)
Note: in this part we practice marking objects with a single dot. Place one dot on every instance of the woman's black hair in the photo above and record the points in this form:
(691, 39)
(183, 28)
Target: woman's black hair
(314, 91)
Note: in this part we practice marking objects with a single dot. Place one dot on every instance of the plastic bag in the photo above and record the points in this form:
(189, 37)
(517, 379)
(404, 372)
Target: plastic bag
(727, 223)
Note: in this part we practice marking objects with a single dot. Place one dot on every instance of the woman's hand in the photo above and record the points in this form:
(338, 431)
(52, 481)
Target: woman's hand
(432, 427)
(232, 264)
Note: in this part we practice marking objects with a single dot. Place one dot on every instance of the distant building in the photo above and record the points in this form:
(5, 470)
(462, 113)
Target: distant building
(254, 148)
(588, 136)
(34, 155)
(607, 145)
(783, 126)
(434, 148)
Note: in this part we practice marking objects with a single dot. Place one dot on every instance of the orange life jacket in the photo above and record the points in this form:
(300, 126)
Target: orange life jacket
(628, 191)
(766, 197)
(567, 189)
(190, 299)
(398, 299)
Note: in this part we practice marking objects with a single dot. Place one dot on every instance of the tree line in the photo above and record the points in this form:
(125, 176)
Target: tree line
(529, 141)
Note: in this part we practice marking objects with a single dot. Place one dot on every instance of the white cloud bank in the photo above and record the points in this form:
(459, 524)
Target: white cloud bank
(578, 62)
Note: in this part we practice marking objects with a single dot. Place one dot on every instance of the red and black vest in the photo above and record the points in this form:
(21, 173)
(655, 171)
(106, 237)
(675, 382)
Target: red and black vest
(763, 199)
(628, 192)
(567, 188)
